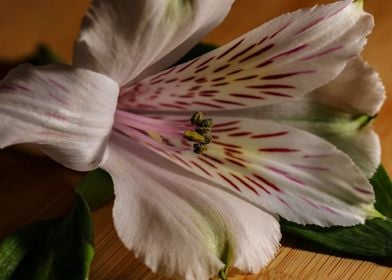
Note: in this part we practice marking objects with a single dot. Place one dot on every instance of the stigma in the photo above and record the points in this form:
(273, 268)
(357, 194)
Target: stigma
(202, 133)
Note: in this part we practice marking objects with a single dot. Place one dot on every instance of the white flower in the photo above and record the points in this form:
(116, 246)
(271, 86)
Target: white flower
(189, 214)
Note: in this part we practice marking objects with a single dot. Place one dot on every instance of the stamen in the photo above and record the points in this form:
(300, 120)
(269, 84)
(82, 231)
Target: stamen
(194, 136)
(201, 134)
(199, 148)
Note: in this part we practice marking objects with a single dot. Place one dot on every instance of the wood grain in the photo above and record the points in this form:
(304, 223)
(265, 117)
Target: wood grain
(33, 187)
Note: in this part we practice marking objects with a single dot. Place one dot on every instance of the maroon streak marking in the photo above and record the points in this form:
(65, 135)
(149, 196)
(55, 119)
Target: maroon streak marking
(272, 86)
(246, 78)
(262, 40)
(278, 150)
(322, 53)
(268, 183)
(244, 183)
(230, 182)
(188, 65)
(235, 72)
(363, 191)
(207, 162)
(265, 63)
(276, 94)
(227, 145)
(242, 52)
(310, 25)
(171, 81)
(225, 129)
(286, 75)
(257, 184)
(187, 79)
(233, 151)
(172, 106)
(201, 168)
(202, 69)
(230, 49)
(213, 158)
(228, 102)
(280, 30)
(205, 62)
(219, 69)
(307, 167)
(181, 160)
(207, 104)
(289, 52)
(226, 124)
(268, 135)
(220, 84)
(60, 86)
(209, 91)
(259, 52)
(286, 175)
(240, 95)
(317, 156)
(239, 134)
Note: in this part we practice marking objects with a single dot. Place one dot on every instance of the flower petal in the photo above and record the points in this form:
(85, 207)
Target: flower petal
(336, 112)
(124, 37)
(67, 111)
(178, 224)
(286, 171)
(279, 61)
(358, 89)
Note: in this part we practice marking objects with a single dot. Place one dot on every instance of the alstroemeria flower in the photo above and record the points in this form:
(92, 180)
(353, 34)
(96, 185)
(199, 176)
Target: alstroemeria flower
(189, 214)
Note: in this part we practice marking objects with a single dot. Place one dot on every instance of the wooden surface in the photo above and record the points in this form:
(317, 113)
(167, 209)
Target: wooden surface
(33, 187)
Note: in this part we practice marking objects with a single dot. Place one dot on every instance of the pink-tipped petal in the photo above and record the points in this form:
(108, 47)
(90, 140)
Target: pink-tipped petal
(178, 224)
(123, 38)
(278, 62)
(67, 111)
(286, 171)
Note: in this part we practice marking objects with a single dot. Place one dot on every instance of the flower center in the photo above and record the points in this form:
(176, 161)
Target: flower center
(165, 135)
(201, 135)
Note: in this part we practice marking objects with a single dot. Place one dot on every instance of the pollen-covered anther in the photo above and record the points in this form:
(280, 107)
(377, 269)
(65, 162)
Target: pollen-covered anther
(197, 118)
(201, 134)
(199, 148)
(194, 136)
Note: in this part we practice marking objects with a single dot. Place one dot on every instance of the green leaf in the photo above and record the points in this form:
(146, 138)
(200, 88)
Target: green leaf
(197, 51)
(42, 56)
(371, 240)
(53, 250)
(96, 188)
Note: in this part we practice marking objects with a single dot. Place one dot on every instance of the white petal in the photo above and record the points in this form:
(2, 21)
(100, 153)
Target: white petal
(286, 171)
(123, 38)
(179, 224)
(337, 112)
(67, 111)
(277, 62)
(358, 89)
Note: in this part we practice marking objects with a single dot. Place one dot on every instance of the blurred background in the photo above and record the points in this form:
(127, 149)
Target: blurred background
(46, 188)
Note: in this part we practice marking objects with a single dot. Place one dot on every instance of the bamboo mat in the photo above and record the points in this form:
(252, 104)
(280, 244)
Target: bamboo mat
(33, 187)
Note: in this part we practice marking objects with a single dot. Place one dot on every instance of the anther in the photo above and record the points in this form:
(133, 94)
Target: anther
(197, 118)
(206, 123)
(194, 136)
(199, 148)
(201, 134)
(203, 130)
